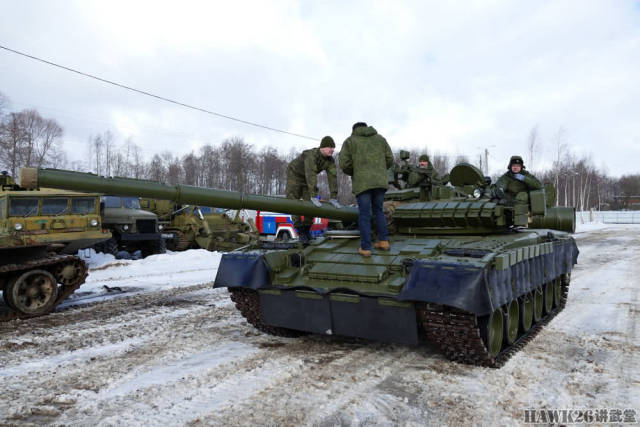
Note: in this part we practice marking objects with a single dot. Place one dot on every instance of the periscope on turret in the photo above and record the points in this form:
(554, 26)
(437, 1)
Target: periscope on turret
(467, 271)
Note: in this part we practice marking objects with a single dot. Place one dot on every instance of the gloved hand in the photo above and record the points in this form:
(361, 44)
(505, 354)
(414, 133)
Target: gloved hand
(335, 203)
(316, 202)
(519, 176)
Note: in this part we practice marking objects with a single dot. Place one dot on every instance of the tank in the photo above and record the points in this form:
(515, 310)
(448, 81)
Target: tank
(203, 227)
(466, 271)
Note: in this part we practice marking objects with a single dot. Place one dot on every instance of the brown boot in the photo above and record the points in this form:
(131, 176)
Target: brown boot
(382, 245)
(364, 252)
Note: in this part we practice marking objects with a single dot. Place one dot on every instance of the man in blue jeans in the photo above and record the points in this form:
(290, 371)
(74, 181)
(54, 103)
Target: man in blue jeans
(366, 156)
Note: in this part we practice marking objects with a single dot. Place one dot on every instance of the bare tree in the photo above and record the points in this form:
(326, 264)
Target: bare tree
(561, 149)
(28, 139)
(4, 104)
(533, 145)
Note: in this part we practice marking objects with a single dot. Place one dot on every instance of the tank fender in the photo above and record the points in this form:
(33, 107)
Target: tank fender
(447, 283)
(480, 290)
(244, 270)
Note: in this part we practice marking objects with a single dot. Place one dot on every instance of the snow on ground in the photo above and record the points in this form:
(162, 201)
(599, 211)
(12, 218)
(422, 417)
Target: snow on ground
(170, 350)
(110, 277)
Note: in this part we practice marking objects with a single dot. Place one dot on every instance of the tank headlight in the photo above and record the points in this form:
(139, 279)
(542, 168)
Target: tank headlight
(18, 226)
(125, 227)
(94, 222)
(477, 193)
(160, 227)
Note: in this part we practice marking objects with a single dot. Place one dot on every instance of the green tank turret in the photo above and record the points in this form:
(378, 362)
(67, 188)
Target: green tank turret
(466, 271)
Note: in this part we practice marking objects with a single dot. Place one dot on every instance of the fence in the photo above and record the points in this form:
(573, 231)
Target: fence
(609, 217)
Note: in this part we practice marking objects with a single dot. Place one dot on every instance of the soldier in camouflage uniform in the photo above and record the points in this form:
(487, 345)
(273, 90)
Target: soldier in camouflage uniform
(366, 156)
(302, 181)
(423, 162)
(517, 180)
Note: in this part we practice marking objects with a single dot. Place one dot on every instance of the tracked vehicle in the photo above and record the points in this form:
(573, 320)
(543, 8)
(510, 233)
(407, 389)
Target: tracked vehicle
(465, 271)
(35, 226)
(198, 226)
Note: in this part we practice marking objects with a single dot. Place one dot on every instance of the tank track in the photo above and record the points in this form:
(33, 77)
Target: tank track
(456, 334)
(183, 243)
(248, 302)
(50, 264)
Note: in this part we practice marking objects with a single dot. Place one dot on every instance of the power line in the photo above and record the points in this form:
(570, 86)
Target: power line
(162, 98)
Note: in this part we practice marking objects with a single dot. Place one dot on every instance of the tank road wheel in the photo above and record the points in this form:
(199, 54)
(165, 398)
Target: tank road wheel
(33, 293)
(512, 322)
(526, 312)
(548, 297)
(557, 292)
(69, 273)
(538, 304)
(491, 330)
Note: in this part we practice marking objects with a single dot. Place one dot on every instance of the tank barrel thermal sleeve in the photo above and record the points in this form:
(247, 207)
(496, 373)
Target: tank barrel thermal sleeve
(181, 194)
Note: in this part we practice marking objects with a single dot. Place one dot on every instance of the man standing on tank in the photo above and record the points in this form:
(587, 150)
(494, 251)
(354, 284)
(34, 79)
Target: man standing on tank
(302, 181)
(366, 156)
(517, 179)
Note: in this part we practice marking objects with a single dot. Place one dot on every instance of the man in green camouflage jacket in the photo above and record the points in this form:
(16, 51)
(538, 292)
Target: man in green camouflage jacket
(366, 156)
(517, 179)
(302, 180)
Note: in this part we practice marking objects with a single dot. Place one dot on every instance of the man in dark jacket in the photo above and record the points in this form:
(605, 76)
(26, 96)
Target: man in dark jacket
(517, 179)
(302, 181)
(366, 156)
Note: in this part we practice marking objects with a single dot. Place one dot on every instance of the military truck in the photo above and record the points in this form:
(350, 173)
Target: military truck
(190, 226)
(132, 228)
(64, 220)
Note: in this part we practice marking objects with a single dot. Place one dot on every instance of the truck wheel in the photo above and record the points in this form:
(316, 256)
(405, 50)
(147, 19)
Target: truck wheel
(109, 246)
(284, 237)
(153, 248)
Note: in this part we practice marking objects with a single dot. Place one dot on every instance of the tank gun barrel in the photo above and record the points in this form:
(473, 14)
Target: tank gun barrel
(181, 194)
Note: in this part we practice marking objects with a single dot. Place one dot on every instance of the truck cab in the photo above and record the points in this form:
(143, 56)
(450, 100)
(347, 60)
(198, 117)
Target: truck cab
(132, 227)
(66, 220)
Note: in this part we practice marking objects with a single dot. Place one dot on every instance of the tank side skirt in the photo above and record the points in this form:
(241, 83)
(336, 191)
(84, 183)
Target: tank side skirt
(479, 290)
(49, 264)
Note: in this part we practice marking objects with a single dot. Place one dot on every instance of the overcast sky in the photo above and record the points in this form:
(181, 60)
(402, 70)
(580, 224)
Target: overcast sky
(449, 77)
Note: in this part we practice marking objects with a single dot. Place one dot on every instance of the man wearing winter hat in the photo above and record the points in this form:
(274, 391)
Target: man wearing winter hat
(302, 181)
(517, 179)
(423, 161)
(366, 156)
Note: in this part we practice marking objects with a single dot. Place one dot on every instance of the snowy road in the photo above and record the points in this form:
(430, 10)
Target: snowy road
(174, 351)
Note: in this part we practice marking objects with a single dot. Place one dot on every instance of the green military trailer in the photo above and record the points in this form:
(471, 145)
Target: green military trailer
(189, 226)
(466, 271)
(132, 227)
